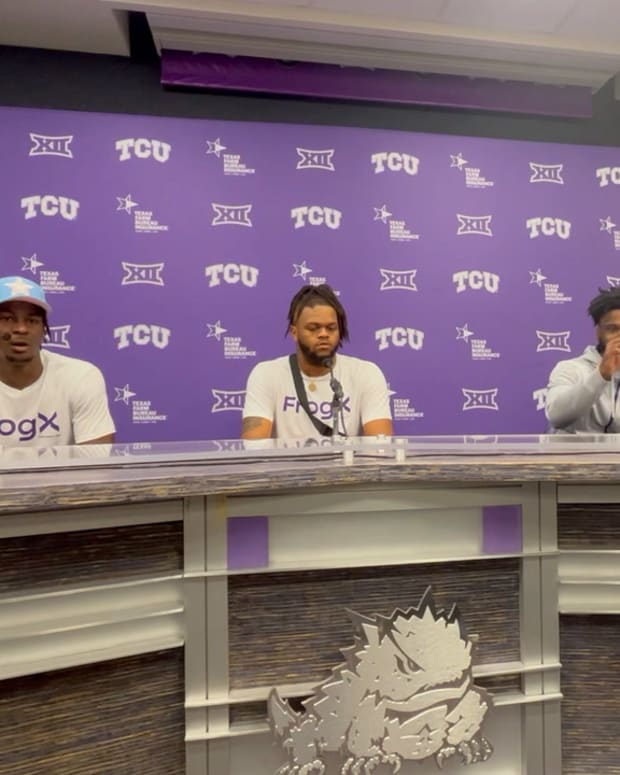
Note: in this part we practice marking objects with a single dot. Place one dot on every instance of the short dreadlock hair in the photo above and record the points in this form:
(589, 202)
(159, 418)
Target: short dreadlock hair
(607, 300)
(313, 296)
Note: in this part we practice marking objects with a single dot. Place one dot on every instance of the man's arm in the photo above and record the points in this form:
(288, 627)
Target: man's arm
(256, 428)
(378, 428)
(259, 406)
(570, 395)
(375, 403)
(90, 414)
(107, 439)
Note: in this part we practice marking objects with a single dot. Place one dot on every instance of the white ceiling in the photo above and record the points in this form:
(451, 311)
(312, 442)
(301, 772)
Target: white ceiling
(547, 41)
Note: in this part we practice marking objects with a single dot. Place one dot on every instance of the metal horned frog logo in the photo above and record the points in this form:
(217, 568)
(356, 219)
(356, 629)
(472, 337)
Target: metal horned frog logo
(405, 692)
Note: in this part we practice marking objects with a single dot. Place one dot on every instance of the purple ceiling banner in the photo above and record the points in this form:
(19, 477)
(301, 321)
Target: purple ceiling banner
(501, 529)
(248, 542)
(315, 79)
(170, 249)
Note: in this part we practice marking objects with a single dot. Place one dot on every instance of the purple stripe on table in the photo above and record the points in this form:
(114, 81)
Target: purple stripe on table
(248, 542)
(501, 530)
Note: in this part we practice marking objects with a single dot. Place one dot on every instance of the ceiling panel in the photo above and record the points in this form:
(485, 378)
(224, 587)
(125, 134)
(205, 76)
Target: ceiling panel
(70, 25)
(595, 20)
(421, 10)
(532, 16)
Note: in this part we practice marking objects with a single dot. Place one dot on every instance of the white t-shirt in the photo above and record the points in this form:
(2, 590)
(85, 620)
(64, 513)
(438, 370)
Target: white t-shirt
(66, 405)
(270, 393)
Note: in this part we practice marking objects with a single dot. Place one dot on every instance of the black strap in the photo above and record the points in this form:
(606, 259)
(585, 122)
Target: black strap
(323, 429)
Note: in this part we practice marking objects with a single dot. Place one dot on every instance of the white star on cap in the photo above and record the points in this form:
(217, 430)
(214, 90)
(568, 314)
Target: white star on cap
(19, 287)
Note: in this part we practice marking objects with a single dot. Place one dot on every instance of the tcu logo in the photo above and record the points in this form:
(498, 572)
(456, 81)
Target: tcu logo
(142, 334)
(395, 162)
(548, 227)
(143, 149)
(50, 205)
(142, 274)
(231, 215)
(315, 160)
(540, 397)
(47, 145)
(58, 337)
(394, 279)
(28, 427)
(474, 224)
(480, 399)
(546, 173)
(227, 400)
(316, 216)
(606, 174)
(232, 274)
(476, 280)
(553, 340)
(399, 337)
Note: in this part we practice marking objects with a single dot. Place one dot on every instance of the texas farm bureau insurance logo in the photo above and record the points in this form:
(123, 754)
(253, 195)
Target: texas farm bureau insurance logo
(144, 221)
(406, 692)
(398, 228)
(232, 163)
(472, 175)
(608, 226)
(232, 345)
(142, 412)
(403, 408)
(480, 351)
(49, 279)
(553, 293)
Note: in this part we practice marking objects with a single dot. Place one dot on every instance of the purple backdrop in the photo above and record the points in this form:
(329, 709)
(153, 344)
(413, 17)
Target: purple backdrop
(170, 249)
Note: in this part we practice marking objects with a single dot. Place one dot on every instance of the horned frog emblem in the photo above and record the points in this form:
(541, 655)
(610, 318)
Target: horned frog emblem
(405, 692)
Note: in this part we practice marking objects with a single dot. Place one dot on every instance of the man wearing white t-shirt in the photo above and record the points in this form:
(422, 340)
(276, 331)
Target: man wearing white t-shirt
(46, 399)
(274, 405)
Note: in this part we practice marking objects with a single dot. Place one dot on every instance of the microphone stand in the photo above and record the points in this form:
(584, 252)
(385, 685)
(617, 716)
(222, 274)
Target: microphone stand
(337, 416)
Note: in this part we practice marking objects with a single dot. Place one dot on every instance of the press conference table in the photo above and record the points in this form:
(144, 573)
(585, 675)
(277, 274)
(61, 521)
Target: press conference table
(151, 595)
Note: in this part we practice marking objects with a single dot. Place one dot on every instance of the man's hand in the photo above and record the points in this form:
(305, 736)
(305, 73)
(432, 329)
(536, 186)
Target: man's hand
(610, 361)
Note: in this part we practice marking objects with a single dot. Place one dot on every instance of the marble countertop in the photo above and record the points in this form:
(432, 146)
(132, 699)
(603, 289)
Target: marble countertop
(65, 488)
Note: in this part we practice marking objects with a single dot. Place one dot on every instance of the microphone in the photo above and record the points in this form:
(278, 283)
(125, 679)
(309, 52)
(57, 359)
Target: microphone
(333, 382)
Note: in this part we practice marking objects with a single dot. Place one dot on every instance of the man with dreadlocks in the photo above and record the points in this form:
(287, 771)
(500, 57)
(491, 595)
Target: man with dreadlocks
(274, 403)
(583, 392)
(46, 399)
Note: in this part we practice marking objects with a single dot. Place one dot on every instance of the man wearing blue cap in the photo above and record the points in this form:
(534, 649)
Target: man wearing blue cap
(46, 399)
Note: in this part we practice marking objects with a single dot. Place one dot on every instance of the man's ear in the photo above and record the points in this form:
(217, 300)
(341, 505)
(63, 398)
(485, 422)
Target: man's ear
(293, 332)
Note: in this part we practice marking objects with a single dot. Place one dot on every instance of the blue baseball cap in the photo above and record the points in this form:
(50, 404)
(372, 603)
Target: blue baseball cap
(22, 289)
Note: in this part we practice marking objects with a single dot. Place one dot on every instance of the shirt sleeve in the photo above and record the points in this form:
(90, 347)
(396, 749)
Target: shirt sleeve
(90, 417)
(375, 398)
(260, 396)
(571, 394)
